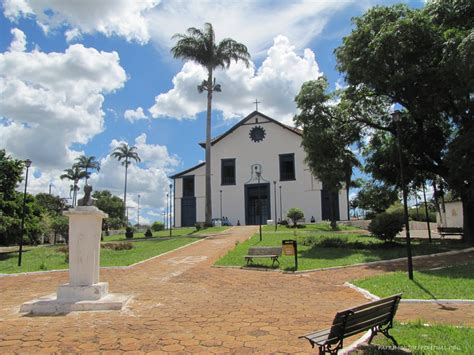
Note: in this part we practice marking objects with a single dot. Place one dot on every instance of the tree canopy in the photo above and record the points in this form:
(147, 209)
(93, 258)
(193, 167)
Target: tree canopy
(420, 59)
(326, 139)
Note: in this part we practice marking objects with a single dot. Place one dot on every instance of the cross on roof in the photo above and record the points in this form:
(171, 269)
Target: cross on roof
(256, 102)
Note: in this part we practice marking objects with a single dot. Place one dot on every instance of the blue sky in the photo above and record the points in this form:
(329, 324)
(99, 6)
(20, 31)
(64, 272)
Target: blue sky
(80, 77)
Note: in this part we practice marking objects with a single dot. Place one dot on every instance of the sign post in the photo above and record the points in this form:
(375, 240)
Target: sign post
(290, 247)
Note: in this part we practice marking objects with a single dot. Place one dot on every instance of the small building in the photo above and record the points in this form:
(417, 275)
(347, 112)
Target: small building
(452, 217)
(258, 160)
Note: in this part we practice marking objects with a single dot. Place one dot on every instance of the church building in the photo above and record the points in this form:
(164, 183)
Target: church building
(257, 162)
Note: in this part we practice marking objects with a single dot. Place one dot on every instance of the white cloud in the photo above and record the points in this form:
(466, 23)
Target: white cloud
(275, 83)
(254, 23)
(149, 178)
(18, 43)
(51, 101)
(135, 115)
(123, 18)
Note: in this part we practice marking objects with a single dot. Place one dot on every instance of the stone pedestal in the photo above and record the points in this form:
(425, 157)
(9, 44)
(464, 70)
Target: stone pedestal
(84, 292)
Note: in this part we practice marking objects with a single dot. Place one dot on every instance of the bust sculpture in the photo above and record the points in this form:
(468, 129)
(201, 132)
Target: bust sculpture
(87, 199)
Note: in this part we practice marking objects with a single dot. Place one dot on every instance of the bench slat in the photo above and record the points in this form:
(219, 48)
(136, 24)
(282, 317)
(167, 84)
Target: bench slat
(368, 314)
(368, 324)
(374, 303)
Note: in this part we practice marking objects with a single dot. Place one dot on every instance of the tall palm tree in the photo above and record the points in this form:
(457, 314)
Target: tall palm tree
(126, 154)
(200, 46)
(86, 163)
(74, 174)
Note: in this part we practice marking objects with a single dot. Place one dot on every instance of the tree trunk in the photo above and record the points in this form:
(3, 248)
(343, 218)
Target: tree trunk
(125, 194)
(208, 213)
(348, 184)
(332, 211)
(468, 218)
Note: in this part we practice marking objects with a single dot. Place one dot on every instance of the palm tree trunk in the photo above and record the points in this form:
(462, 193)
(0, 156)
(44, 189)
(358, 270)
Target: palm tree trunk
(86, 175)
(208, 210)
(125, 193)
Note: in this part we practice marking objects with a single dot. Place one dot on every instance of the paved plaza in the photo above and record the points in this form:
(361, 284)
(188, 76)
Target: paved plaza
(182, 304)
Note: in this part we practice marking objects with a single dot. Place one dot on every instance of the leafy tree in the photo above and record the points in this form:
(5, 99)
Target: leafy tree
(113, 206)
(10, 175)
(86, 163)
(60, 226)
(376, 198)
(420, 59)
(125, 154)
(295, 214)
(200, 46)
(157, 226)
(325, 140)
(74, 174)
(54, 205)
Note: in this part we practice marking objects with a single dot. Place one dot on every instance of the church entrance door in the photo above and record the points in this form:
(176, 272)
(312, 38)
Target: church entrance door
(188, 211)
(252, 208)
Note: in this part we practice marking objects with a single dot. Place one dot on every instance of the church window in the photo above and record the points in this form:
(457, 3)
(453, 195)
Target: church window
(228, 172)
(188, 186)
(287, 167)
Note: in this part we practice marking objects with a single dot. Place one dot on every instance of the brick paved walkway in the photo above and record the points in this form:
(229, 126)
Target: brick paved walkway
(180, 303)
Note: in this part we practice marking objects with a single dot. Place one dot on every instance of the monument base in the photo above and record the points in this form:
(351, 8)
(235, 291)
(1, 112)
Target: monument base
(52, 305)
(68, 293)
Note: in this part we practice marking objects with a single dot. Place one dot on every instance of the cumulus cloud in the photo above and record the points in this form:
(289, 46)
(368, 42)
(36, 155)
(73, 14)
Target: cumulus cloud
(135, 115)
(275, 83)
(148, 178)
(54, 100)
(254, 23)
(123, 18)
(18, 43)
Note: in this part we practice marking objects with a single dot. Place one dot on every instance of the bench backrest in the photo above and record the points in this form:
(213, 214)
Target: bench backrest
(265, 251)
(358, 319)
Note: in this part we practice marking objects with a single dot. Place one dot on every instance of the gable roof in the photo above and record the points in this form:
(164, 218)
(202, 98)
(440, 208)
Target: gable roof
(178, 175)
(240, 123)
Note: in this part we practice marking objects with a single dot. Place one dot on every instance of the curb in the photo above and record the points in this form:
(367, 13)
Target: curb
(380, 262)
(103, 267)
(373, 297)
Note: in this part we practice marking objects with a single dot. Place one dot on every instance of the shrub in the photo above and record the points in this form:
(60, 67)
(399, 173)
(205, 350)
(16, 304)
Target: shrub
(117, 246)
(157, 226)
(295, 214)
(284, 222)
(129, 233)
(386, 226)
(148, 233)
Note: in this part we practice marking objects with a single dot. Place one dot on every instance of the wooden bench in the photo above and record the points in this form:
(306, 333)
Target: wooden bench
(450, 231)
(376, 316)
(263, 252)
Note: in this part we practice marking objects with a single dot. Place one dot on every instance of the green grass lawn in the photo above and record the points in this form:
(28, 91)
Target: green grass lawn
(456, 282)
(49, 258)
(176, 232)
(311, 227)
(354, 248)
(433, 339)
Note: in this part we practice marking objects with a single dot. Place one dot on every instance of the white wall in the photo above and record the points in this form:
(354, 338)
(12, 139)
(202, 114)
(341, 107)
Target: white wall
(454, 214)
(304, 192)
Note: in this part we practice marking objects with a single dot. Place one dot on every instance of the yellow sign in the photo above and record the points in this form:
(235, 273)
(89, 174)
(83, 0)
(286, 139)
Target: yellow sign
(288, 249)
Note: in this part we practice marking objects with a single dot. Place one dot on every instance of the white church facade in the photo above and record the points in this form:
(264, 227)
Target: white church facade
(259, 161)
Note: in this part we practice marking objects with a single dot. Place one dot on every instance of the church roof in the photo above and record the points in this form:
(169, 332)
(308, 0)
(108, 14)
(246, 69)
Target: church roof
(233, 128)
(241, 122)
(177, 175)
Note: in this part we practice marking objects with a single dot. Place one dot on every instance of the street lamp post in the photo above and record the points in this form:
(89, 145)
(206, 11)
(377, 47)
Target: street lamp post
(138, 212)
(20, 251)
(281, 209)
(259, 209)
(171, 224)
(275, 191)
(167, 209)
(396, 118)
(221, 204)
